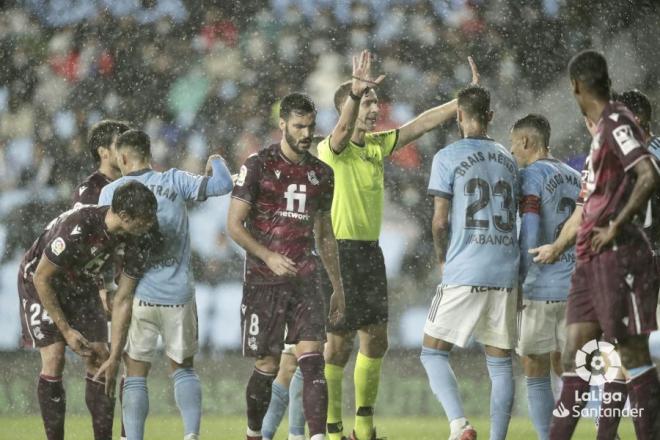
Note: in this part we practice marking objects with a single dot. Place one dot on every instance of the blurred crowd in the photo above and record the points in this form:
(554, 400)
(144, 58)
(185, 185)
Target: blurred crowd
(204, 77)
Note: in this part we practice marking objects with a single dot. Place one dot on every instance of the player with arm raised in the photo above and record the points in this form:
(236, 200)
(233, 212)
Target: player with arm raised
(164, 303)
(475, 186)
(549, 190)
(280, 206)
(614, 287)
(60, 304)
(356, 154)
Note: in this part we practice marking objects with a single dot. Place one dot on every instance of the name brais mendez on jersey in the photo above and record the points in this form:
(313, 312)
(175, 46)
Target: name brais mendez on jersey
(481, 189)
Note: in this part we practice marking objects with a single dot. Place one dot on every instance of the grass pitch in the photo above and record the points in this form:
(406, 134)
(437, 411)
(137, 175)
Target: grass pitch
(78, 427)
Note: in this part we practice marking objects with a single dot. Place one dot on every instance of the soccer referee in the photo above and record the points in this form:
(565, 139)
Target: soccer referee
(356, 155)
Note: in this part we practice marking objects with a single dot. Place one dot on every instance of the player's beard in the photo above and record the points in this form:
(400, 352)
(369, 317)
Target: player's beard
(296, 145)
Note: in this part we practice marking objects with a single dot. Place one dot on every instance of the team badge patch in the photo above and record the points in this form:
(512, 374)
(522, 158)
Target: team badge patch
(58, 246)
(311, 175)
(241, 176)
(625, 138)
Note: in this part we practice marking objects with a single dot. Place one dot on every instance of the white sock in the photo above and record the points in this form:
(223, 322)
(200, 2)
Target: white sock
(457, 424)
(314, 437)
(252, 433)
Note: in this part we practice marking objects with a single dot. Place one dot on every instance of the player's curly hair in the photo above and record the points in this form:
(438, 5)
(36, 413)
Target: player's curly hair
(590, 68)
(102, 134)
(296, 103)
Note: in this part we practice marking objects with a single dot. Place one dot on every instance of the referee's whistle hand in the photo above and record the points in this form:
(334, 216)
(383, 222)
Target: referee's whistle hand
(281, 265)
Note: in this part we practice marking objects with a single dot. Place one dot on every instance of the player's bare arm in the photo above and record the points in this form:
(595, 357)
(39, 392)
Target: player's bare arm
(122, 307)
(278, 263)
(42, 278)
(361, 81)
(440, 228)
(327, 247)
(645, 184)
(432, 118)
(550, 253)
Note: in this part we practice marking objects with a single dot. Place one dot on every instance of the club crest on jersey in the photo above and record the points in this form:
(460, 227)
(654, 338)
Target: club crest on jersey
(311, 176)
(277, 174)
(240, 181)
(58, 246)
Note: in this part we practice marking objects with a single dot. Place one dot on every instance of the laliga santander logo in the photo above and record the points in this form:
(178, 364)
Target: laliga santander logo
(604, 365)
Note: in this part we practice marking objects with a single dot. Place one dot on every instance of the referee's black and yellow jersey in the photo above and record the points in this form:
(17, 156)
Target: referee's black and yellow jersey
(357, 206)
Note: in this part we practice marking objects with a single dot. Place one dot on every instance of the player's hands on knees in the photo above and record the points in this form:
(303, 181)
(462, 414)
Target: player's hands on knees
(77, 342)
(280, 265)
(209, 169)
(337, 307)
(475, 72)
(546, 254)
(109, 370)
(362, 79)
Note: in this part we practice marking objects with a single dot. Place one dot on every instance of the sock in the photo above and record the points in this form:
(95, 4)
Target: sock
(644, 392)
(100, 406)
(334, 375)
(500, 370)
(315, 392)
(317, 437)
(563, 418)
(367, 378)
(296, 414)
(279, 400)
(617, 392)
(52, 401)
(556, 383)
(135, 406)
(443, 381)
(540, 403)
(121, 399)
(188, 397)
(257, 395)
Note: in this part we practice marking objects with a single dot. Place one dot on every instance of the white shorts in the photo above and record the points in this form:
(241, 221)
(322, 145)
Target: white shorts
(487, 313)
(176, 324)
(542, 327)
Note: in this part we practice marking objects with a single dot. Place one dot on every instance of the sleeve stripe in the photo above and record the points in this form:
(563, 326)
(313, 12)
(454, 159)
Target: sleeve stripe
(530, 204)
(438, 193)
(396, 140)
(634, 162)
(242, 200)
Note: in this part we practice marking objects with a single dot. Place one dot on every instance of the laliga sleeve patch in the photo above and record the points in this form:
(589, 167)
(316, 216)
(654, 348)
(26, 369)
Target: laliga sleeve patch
(57, 246)
(625, 138)
(241, 176)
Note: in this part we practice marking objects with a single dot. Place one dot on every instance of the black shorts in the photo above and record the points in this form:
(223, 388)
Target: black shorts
(365, 285)
(275, 314)
(83, 311)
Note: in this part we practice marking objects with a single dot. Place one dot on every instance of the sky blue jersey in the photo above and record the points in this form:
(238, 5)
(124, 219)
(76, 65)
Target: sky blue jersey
(549, 191)
(169, 278)
(480, 177)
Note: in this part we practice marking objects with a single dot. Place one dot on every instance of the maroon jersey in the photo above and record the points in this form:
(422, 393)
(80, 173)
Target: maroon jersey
(285, 199)
(78, 242)
(89, 190)
(607, 181)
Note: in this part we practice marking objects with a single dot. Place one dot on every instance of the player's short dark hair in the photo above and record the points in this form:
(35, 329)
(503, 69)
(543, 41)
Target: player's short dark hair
(341, 94)
(137, 140)
(538, 123)
(136, 200)
(638, 103)
(590, 68)
(475, 102)
(296, 103)
(102, 134)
